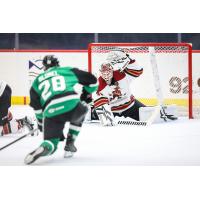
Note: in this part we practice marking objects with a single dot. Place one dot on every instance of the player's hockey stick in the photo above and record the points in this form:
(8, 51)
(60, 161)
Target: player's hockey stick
(20, 138)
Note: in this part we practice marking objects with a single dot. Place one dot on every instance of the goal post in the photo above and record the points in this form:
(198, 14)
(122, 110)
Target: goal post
(174, 68)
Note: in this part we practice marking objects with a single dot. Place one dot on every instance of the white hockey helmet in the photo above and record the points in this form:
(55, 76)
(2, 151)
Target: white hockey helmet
(106, 72)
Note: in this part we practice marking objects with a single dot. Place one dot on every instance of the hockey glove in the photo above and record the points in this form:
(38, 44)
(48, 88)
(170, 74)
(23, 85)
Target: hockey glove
(86, 96)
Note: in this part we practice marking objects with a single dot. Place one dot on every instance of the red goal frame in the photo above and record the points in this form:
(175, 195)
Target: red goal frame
(189, 46)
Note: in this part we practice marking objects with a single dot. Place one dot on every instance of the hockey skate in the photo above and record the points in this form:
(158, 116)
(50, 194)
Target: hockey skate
(34, 155)
(70, 149)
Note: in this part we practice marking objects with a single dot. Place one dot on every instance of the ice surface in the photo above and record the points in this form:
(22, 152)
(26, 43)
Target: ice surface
(173, 143)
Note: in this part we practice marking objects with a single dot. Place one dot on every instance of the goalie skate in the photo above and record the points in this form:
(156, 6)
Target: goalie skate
(34, 155)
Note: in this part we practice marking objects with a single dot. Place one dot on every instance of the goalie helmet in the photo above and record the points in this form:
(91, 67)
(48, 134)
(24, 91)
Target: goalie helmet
(106, 72)
(50, 61)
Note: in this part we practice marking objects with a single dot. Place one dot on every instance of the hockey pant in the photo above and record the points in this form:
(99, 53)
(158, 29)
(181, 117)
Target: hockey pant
(54, 126)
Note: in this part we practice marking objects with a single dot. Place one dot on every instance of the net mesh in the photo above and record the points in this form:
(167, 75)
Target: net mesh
(140, 49)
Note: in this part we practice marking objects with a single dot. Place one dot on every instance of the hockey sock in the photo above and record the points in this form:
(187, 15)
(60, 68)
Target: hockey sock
(74, 130)
(50, 145)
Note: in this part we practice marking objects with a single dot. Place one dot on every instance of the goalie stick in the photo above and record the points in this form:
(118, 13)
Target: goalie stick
(20, 138)
(157, 84)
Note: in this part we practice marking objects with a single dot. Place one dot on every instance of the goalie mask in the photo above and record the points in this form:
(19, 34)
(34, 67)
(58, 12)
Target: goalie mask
(106, 72)
(50, 61)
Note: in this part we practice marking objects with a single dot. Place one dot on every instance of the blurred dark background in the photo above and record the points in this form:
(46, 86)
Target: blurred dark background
(81, 40)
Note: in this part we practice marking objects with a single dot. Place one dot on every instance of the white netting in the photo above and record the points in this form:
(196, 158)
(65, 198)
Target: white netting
(173, 67)
(140, 49)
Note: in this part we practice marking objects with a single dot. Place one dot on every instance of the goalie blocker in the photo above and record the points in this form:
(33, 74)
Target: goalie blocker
(104, 115)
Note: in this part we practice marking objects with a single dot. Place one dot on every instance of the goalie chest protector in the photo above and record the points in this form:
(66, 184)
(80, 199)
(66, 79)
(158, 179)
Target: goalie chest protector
(118, 93)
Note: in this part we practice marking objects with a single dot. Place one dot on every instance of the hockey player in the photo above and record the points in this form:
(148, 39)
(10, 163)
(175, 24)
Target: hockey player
(55, 102)
(114, 97)
(8, 125)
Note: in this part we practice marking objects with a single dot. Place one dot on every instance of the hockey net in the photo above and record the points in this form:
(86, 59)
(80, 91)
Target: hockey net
(179, 82)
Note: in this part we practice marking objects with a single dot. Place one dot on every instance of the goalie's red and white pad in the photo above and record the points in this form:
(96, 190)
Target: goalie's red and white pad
(167, 113)
(105, 115)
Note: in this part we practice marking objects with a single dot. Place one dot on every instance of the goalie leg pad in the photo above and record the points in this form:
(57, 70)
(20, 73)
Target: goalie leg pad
(105, 115)
(167, 113)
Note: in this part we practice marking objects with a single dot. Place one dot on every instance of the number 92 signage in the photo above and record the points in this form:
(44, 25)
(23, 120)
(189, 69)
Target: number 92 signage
(179, 85)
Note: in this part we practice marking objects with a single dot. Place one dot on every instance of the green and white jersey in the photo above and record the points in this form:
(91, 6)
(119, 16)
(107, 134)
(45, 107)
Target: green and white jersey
(52, 92)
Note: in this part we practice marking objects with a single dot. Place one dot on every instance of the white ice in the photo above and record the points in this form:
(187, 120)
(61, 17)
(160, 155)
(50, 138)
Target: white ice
(173, 143)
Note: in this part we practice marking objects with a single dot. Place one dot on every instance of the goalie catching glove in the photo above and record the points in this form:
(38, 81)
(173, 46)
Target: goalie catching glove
(119, 58)
(116, 57)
